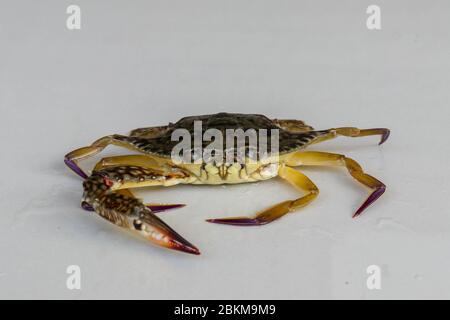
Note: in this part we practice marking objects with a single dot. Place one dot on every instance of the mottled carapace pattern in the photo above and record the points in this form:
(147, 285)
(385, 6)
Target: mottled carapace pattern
(158, 140)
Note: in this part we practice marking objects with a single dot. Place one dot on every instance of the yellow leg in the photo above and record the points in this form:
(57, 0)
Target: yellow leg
(295, 178)
(145, 161)
(354, 133)
(72, 158)
(333, 159)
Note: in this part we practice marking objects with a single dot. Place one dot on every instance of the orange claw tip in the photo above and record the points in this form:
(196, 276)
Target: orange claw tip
(161, 234)
(175, 242)
(184, 247)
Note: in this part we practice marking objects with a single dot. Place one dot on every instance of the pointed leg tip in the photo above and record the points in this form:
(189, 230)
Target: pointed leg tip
(86, 206)
(75, 168)
(218, 221)
(174, 206)
(245, 222)
(371, 199)
(155, 208)
(385, 136)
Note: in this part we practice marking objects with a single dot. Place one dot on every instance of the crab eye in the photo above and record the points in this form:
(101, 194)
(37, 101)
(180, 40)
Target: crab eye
(137, 224)
(107, 181)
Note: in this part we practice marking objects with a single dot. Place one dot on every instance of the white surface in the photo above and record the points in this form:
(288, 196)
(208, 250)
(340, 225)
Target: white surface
(152, 62)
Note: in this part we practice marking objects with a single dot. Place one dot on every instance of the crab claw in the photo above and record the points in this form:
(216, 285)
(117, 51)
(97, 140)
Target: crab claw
(158, 232)
(128, 212)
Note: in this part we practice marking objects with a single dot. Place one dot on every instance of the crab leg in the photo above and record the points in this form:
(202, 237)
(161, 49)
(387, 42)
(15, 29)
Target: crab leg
(154, 207)
(145, 161)
(106, 192)
(141, 160)
(333, 159)
(354, 133)
(72, 158)
(294, 177)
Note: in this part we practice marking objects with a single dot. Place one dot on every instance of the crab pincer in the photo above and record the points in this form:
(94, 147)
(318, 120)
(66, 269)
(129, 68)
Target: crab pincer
(130, 213)
(158, 232)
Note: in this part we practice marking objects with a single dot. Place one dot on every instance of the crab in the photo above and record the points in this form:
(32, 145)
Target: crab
(107, 190)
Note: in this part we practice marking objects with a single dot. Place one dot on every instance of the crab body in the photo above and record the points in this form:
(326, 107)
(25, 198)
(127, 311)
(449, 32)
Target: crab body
(107, 188)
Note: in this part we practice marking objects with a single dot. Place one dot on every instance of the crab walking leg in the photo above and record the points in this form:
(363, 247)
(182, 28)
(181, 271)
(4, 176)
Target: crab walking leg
(104, 191)
(332, 159)
(72, 158)
(140, 160)
(354, 133)
(295, 178)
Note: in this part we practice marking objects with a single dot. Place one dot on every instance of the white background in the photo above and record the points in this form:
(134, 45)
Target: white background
(151, 62)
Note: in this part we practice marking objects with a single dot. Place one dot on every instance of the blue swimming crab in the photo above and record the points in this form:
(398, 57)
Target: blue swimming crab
(107, 190)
